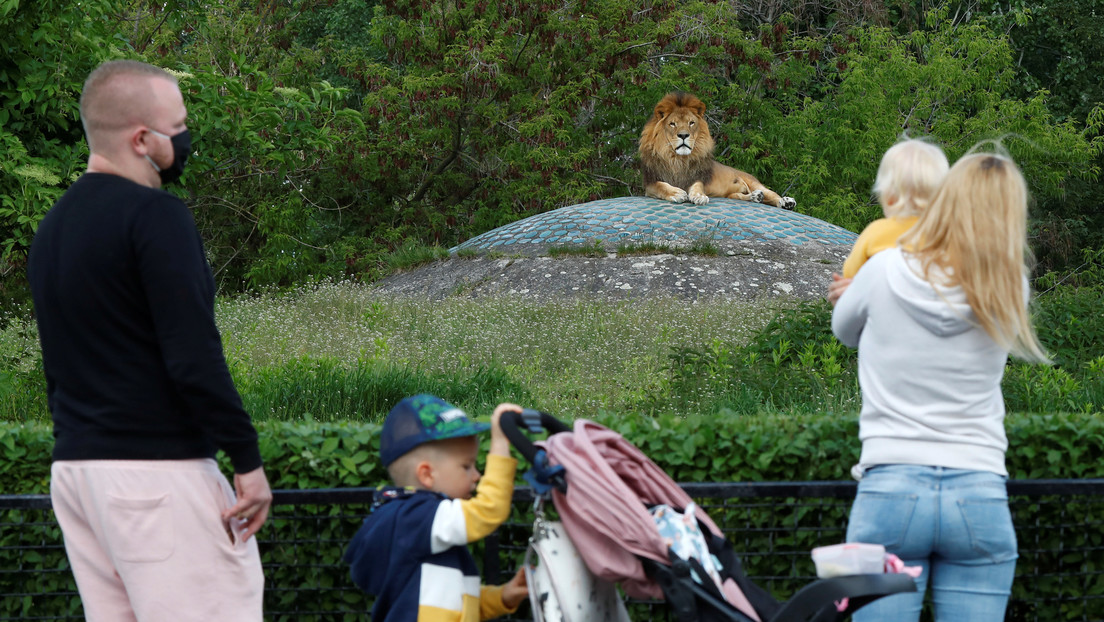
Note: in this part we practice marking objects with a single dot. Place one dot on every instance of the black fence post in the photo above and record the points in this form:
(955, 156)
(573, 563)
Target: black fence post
(492, 564)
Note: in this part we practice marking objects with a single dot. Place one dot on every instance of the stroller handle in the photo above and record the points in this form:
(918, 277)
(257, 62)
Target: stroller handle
(543, 475)
(533, 420)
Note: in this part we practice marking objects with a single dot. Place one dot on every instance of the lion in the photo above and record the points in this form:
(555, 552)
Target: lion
(676, 156)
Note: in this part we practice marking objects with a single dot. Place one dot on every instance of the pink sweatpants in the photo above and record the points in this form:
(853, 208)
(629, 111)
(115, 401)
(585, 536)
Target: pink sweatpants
(147, 542)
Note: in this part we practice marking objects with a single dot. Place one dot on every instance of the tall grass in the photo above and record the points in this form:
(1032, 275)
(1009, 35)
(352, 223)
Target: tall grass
(325, 389)
(573, 358)
(793, 365)
(343, 351)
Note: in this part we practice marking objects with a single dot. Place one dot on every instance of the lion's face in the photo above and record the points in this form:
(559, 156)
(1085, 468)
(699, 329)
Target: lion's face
(678, 128)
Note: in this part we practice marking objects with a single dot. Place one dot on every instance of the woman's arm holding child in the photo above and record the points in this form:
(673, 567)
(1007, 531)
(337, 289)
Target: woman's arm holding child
(836, 288)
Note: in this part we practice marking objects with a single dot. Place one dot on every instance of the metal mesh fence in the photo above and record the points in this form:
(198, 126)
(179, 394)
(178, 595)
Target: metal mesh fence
(1059, 524)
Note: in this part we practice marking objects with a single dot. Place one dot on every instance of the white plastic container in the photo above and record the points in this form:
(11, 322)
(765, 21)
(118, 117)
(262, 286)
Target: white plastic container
(851, 558)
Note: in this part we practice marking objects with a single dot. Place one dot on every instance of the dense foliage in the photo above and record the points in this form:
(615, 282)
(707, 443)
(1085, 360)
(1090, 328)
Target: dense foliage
(49, 48)
(332, 132)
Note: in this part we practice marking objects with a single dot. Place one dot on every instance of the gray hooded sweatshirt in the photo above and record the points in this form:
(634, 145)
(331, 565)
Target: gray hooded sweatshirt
(930, 375)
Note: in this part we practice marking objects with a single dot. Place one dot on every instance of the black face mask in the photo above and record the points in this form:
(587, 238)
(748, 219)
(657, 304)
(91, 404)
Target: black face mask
(182, 146)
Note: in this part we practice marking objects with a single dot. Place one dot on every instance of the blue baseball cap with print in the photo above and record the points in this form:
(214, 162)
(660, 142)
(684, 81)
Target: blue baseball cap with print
(420, 419)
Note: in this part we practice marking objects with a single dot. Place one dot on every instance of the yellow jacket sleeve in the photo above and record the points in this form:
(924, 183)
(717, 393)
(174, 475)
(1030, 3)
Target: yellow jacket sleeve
(876, 237)
(490, 603)
(490, 507)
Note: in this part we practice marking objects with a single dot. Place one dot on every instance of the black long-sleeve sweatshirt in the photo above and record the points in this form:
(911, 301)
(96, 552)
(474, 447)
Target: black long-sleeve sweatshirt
(124, 301)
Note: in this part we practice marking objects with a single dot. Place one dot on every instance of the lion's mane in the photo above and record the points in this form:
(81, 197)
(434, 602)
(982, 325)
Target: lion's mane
(658, 160)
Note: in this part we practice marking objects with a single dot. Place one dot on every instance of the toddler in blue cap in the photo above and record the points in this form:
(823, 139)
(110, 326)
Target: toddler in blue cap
(411, 553)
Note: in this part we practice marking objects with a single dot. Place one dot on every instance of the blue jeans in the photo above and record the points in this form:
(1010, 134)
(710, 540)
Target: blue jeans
(953, 523)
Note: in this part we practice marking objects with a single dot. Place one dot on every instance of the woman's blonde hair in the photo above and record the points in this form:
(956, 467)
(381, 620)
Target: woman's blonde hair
(975, 230)
(909, 176)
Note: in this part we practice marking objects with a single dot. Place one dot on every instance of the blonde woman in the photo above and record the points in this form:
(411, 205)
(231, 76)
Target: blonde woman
(934, 320)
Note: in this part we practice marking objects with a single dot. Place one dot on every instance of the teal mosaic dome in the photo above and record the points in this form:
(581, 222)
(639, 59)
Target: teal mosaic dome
(639, 220)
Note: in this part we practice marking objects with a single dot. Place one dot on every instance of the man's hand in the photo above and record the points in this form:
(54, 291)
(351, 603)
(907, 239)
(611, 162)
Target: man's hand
(254, 499)
(515, 590)
(837, 287)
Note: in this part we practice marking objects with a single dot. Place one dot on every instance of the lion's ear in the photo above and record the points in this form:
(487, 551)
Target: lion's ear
(697, 105)
(665, 106)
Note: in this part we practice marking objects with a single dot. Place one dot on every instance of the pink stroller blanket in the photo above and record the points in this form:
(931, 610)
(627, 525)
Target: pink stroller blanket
(609, 484)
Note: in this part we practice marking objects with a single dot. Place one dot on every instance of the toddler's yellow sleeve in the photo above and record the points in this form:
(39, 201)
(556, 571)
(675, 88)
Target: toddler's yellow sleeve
(490, 603)
(460, 521)
(860, 252)
(490, 507)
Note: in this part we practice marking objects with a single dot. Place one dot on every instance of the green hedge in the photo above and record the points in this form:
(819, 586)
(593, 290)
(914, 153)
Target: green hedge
(690, 449)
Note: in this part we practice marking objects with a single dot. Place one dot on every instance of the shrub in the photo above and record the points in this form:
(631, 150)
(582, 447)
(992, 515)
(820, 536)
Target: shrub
(795, 364)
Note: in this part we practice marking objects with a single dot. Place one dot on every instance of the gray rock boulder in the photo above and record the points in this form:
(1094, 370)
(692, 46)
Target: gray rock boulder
(761, 251)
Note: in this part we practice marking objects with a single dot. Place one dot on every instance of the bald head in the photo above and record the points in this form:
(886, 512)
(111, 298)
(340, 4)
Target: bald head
(118, 95)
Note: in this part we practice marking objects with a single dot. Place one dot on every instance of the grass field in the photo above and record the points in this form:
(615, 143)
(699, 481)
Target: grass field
(340, 351)
(571, 358)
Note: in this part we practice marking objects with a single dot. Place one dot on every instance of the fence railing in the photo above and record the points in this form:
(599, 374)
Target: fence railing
(1059, 525)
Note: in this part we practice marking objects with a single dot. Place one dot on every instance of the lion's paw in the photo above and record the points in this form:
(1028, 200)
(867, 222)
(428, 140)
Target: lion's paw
(678, 197)
(787, 203)
(699, 199)
(757, 196)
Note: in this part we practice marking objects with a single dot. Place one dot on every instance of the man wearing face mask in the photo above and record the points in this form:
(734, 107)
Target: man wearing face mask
(138, 386)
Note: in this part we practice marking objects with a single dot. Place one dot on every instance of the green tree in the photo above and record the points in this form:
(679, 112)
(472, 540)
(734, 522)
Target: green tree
(269, 130)
(254, 182)
(1058, 47)
(485, 112)
(500, 110)
(955, 82)
(49, 48)
(332, 131)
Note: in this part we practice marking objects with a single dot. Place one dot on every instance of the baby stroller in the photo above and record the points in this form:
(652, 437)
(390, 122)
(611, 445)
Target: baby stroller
(602, 488)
